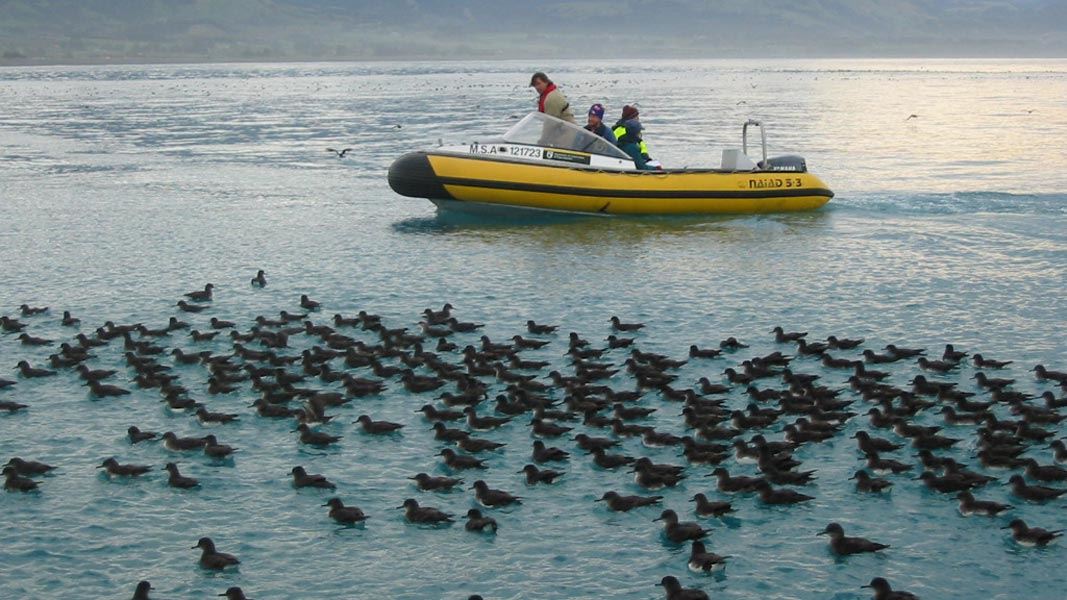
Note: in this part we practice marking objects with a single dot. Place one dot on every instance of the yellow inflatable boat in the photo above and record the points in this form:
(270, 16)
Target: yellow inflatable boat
(543, 163)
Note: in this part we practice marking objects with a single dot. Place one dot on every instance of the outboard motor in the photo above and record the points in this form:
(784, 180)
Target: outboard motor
(791, 163)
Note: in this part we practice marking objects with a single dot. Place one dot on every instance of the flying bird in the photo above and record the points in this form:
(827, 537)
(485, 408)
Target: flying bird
(339, 153)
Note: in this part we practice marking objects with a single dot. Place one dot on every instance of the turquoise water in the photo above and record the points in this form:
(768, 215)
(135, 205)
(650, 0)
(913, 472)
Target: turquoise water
(124, 187)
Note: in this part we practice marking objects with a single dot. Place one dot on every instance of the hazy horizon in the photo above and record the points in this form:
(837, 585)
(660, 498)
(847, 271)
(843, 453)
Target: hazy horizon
(209, 31)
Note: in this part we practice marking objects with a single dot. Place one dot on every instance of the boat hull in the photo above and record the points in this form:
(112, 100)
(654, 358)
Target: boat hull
(446, 176)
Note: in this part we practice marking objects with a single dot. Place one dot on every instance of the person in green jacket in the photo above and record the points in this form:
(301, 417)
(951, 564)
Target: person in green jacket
(551, 100)
(628, 131)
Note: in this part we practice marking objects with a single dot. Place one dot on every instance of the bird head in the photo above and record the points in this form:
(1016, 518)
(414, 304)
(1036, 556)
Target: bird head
(670, 583)
(205, 543)
(833, 529)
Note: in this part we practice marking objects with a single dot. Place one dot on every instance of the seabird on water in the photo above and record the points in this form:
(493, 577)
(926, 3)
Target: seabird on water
(674, 590)
(210, 558)
(843, 545)
(345, 515)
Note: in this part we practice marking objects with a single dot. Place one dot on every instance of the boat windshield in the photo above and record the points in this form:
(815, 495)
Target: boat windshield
(539, 129)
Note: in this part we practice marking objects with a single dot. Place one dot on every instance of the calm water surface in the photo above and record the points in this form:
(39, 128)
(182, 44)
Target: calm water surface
(123, 187)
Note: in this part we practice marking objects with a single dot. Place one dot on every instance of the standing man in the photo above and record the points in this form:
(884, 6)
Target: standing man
(550, 100)
(596, 124)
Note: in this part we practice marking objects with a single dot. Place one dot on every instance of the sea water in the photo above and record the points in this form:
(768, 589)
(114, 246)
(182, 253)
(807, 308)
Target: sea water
(122, 187)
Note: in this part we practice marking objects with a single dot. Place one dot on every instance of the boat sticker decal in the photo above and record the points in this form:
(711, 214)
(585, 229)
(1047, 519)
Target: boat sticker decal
(564, 156)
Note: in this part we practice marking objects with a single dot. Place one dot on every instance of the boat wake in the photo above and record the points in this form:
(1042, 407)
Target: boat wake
(953, 203)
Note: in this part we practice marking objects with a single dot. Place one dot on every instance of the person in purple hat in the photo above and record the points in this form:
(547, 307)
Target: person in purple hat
(596, 124)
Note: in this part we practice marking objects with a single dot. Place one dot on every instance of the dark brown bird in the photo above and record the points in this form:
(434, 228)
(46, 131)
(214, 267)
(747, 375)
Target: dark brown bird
(31, 373)
(680, 531)
(190, 308)
(423, 514)
(141, 592)
(378, 427)
(869, 444)
(843, 545)
(13, 482)
(987, 363)
(210, 558)
(460, 461)
(311, 437)
(29, 311)
(173, 442)
(206, 416)
(697, 352)
(780, 496)
(302, 479)
(490, 497)
(1042, 373)
(535, 475)
(29, 467)
(29, 340)
(702, 560)
(117, 469)
(478, 522)
(674, 590)
(619, 503)
(430, 484)
(534, 328)
(1047, 473)
(843, 343)
(177, 480)
(1031, 536)
(781, 336)
(234, 593)
(866, 483)
(1033, 493)
(543, 454)
(707, 508)
(883, 591)
(740, 483)
(971, 506)
(203, 295)
(345, 515)
(136, 435)
(620, 326)
(213, 449)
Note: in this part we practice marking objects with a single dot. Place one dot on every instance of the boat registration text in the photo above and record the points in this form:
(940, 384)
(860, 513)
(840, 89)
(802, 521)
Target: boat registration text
(517, 151)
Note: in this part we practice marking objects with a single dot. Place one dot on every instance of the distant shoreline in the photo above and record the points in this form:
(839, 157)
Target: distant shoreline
(23, 63)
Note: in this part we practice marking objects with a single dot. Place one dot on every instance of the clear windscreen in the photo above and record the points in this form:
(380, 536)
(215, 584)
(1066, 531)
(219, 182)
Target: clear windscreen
(539, 129)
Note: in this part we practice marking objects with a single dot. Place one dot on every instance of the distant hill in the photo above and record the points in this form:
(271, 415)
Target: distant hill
(38, 31)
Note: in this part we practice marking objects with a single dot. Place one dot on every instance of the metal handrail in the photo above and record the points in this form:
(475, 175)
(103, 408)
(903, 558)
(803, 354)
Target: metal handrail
(763, 139)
